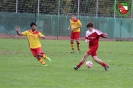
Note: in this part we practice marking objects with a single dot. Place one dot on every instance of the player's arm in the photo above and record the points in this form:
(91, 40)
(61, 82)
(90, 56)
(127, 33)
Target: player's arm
(104, 35)
(101, 34)
(17, 31)
(86, 38)
(41, 35)
(69, 27)
(77, 27)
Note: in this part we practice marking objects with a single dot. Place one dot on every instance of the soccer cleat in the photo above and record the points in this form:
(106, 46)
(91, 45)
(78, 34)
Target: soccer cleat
(78, 51)
(72, 51)
(45, 65)
(50, 61)
(106, 68)
(76, 68)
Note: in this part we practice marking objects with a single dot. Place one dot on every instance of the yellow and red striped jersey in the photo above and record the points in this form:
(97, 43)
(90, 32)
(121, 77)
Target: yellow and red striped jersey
(74, 24)
(33, 38)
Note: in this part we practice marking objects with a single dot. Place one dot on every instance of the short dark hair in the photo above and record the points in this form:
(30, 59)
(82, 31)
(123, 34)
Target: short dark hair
(32, 23)
(73, 14)
(90, 24)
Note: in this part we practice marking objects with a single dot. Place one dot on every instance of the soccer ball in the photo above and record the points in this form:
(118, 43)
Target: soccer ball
(89, 64)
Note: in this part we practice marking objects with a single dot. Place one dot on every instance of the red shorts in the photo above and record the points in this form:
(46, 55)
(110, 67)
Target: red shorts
(75, 35)
(92, 51)
(36, 51)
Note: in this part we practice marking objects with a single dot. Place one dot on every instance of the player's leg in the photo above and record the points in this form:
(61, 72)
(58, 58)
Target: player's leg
(34, 52)
(47, 58)
(89, 52)
(96, 59)
(77, 38)
(40, 53)
(81, 61)
(72, 41)
(41, 60)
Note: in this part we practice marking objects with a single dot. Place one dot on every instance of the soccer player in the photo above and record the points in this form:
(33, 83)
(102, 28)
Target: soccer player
(92, 37)
(34, 44)
(75, 26)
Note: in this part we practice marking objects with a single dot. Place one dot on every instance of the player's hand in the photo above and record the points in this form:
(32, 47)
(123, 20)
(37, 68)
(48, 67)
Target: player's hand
(105, 35)
(74, 28)
(16, 28)
(68, 28)
(43, 37)
(87, 41)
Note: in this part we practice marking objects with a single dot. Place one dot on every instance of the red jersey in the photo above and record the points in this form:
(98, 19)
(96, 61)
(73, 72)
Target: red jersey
(93, 37)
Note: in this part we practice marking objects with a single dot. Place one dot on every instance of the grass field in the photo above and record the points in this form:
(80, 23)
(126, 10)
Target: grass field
(19, 69)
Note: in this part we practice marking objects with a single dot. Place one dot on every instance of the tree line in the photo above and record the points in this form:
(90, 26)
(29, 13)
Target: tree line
(86, 7)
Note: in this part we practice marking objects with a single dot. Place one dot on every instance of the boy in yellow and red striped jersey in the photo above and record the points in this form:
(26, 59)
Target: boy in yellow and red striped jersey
(34, 44)
(75, 26)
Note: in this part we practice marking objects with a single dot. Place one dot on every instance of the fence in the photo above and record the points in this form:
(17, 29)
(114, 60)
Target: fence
(52, 16)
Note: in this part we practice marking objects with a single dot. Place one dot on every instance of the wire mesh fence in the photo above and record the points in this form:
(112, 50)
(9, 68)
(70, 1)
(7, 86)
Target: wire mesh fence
(52, 16)
(96, 8)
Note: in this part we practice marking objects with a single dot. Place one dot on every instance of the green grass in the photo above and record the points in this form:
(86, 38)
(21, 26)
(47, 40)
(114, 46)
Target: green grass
(19, 69)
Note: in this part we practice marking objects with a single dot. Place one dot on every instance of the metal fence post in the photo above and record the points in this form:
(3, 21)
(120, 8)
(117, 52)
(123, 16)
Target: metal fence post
(58, 7)
(58, 19)
(16, 6)
(114, 10)
(96, 8)
(131, 24)
(38, 12)
(38, 8)
(78, 7)
(132, 11)
(114, 22)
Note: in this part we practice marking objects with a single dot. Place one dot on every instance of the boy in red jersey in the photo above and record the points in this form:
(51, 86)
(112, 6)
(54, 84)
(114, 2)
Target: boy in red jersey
(75, 26)
(33, 39)
(92, 37)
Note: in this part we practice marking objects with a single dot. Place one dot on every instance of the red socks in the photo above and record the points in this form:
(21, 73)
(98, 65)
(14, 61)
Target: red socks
(80, 63)
(103, 64)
